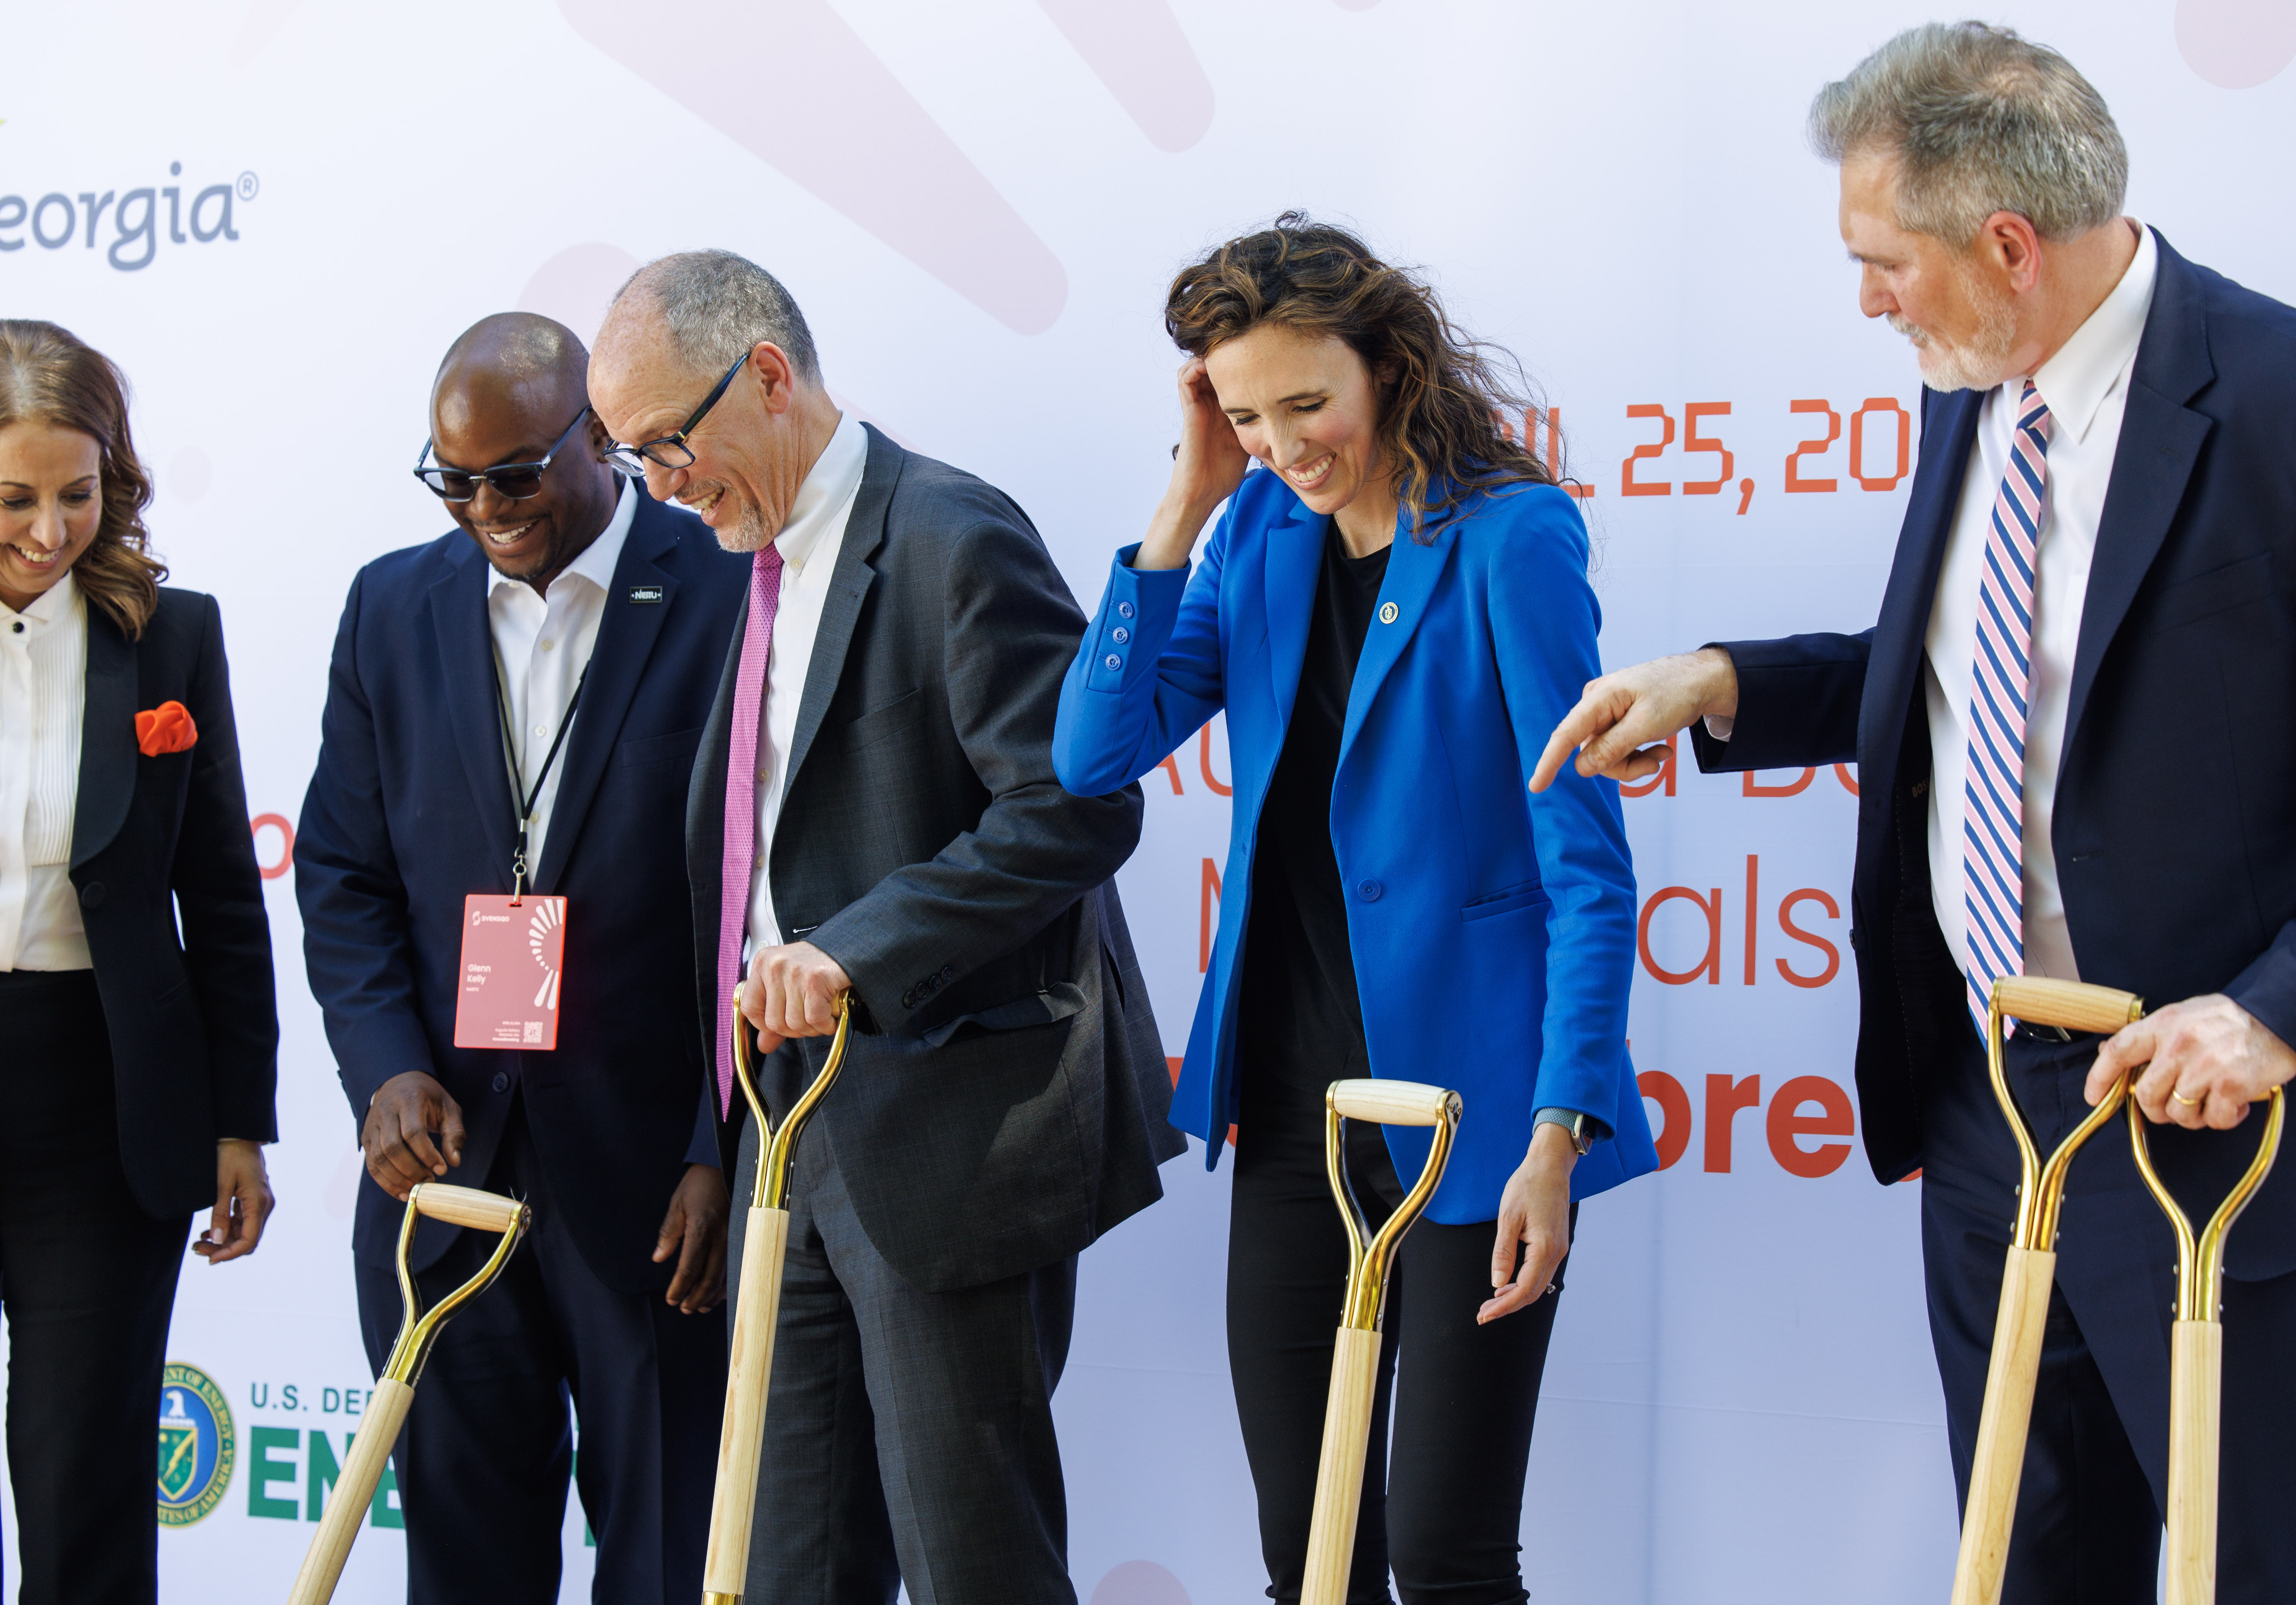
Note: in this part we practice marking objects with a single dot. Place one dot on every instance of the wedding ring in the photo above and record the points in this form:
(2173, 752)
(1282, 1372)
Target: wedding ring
(2187, 1102)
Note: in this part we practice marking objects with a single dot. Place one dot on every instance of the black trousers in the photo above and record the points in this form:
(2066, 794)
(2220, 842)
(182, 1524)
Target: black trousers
(908, 1434)
(87, 1282)
(2094, 1484)
(483, 1462)
(1444, 1509)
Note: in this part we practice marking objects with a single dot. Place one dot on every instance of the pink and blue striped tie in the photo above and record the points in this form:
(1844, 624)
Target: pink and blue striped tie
(741, 802)
(1993, 829)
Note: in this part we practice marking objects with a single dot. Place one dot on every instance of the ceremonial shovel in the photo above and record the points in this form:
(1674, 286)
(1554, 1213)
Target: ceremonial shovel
(2030, 1274)
(394, 1392)
(750, 1363)
(2196, 1363)
(1354, 1354)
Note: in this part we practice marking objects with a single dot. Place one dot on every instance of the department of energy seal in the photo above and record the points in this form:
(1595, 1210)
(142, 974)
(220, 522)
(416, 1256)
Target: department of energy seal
(197, 1448)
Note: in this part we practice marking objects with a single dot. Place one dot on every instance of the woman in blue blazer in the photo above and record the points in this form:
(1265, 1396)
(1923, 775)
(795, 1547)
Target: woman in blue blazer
(1393, 613)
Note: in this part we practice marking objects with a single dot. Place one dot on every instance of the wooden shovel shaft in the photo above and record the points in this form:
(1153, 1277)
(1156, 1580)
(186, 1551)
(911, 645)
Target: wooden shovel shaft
(1339, 1475)
(2195, 1396)
(2000, 1462)
(347, 1506)
(750, 1365)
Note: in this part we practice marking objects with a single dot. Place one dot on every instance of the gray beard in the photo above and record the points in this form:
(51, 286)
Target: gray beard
(1977, 363)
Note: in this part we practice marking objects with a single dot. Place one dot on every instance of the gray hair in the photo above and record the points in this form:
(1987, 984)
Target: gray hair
(718, 305)
(1979, 122)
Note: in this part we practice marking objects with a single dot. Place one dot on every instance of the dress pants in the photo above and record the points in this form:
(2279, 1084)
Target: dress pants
(908, 1434)
(1443, 1505)
(2095, 1484)
(483, 1462)
(87, 1282)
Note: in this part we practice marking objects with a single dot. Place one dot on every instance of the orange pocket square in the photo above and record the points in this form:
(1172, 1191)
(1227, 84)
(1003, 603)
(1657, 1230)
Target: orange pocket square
(167, 728)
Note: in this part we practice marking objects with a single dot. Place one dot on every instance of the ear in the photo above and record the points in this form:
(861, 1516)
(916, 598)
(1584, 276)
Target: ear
(776, 378)
(2010, 246)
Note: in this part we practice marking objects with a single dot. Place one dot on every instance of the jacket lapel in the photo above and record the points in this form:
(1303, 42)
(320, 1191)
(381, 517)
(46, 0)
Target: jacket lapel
(107, 740)
(1413, 570)
(2161, 441)
(466, 669)
(1894, 663)
(840, 610)
(1295, 557)
(627, 634)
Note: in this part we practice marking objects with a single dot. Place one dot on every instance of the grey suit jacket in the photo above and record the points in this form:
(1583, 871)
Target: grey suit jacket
(1003, 1097)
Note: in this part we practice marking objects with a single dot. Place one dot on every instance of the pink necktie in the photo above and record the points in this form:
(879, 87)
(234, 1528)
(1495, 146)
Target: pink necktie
(1993, 821)
(741, 802)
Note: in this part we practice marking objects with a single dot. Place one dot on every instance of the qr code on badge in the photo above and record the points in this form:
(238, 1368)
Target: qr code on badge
(533, 1030)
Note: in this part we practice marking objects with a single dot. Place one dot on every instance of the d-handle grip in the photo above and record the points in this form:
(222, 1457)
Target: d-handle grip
(1393, 1103)
(354, 1490)
(466, 1207)
(2072, 1005)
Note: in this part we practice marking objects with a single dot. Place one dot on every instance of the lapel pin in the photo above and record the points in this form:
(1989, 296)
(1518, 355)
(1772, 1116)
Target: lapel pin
(1389, 613)
(646, 592)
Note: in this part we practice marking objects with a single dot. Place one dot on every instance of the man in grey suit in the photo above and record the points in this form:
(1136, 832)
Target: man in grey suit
(874, 811)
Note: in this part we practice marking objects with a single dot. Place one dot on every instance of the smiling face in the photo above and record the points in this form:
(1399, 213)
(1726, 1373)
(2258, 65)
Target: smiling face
(1306, 405)
(1963, 323)
(481, 418)
(50, 504)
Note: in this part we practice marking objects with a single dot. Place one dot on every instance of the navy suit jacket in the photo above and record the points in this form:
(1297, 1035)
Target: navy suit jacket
(2175, 822)
(410, 811)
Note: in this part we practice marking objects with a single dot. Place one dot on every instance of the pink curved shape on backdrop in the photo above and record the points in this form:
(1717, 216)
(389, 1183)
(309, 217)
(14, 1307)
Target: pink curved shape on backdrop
(1140, 1583)
(577, 285)
(789, 82)
(1136, 49)
(2237, 43)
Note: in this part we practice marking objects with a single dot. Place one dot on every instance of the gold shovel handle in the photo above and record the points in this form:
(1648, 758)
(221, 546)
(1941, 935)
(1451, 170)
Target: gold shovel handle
(2070, 1005)
(466, 1207)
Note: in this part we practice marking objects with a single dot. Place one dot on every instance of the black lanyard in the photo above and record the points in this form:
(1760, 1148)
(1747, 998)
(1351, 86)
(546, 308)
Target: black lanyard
(510, 754)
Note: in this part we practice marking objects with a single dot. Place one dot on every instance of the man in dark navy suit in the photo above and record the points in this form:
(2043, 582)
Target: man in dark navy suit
(2072, 724)
(524, 695)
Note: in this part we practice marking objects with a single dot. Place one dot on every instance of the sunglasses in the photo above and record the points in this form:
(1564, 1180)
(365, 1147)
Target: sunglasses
(670, 450)
(516, 480)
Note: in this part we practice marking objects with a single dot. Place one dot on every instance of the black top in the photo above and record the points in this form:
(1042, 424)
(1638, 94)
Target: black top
(1302, 1021)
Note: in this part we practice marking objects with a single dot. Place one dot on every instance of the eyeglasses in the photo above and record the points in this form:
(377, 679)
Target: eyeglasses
(516, 480)
(670, 450)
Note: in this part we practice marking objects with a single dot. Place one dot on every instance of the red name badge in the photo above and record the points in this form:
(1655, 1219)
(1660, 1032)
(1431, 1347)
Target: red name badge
(512, 954)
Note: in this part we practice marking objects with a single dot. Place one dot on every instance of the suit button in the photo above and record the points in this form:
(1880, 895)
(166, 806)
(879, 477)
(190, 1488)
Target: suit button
(502, 1081)
(1119, 635)
(1369, 891)
(1112, 661)
(1123, 610)
(91, 896)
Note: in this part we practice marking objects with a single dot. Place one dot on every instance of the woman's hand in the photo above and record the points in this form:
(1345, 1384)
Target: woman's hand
(1535, 1217)
(242, 1202)
(1206, 467)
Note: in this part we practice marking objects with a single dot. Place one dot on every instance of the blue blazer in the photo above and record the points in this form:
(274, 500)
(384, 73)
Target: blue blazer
(410, 811)
(1493, 929)
(2174, 820)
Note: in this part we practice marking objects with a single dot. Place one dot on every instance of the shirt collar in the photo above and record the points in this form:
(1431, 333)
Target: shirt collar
(2077, 380)
(50, 606)
(829, 485)
(598, 560)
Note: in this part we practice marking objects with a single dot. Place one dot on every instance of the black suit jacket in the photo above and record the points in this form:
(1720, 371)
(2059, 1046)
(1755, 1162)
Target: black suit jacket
(410, 811)
(2174, 821)
(1004, 1103)
(194, 1028)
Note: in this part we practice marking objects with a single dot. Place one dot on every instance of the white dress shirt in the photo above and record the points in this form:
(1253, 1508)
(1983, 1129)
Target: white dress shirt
(2086, 385)
(43, 697)
(810, 543)
(542, 645)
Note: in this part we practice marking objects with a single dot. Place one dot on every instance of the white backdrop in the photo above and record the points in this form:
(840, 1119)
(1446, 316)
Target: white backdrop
(978, 205)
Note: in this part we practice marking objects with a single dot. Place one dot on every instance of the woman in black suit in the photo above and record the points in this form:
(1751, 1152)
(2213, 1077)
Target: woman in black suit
(140, 1064)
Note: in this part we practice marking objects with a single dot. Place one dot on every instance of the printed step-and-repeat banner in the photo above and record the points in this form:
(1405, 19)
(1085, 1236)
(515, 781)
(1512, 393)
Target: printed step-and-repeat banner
(276, 214)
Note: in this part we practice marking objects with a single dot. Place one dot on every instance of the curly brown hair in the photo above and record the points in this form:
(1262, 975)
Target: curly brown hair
(1444, 395)
(50, 375)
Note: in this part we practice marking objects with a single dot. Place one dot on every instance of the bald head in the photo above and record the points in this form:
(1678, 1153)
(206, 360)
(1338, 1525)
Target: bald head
(513, 389)
(680, 326)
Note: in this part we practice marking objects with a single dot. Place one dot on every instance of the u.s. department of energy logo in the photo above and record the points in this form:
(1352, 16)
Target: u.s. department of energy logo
(196, 1445)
